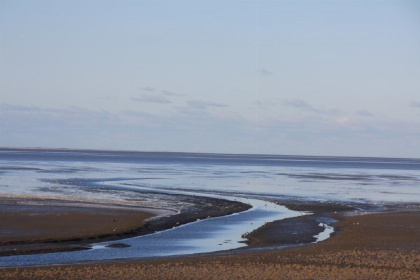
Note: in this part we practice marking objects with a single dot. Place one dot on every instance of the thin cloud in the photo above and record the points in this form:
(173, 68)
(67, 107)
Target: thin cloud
(198, 104)
(341, 120)
(69, 115)
(161, 92)
(264, 72)
(152, 95)
(305, 106)
(151, 98)
(364, 113)
(299, 103)
(171, 93)
(19, 108)
(149, 89)
(24, 115)
(415, 104)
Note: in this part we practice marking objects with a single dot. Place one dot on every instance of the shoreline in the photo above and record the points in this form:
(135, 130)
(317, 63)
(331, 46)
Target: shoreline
(44, 225)
(383, 245)
(37, 226)
(368, 242)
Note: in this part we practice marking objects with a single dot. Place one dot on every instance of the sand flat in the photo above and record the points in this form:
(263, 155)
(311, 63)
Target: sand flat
(29, 228)
(37, 224)
(373, 246)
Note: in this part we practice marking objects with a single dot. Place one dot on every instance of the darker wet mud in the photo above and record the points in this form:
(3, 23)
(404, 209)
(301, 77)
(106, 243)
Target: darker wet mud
(98, 224)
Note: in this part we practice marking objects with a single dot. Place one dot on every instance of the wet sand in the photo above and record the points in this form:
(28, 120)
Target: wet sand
(32, 226)
(29, 229)
(382, 245)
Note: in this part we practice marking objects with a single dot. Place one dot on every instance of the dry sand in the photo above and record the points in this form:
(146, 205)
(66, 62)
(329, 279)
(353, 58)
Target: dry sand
(373, 246)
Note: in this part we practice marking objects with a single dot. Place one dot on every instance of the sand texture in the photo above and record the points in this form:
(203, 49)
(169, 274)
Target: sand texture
(29, 226)
(372, 246)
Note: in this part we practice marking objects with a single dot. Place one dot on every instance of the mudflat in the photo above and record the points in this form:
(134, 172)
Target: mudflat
(33, 226)
(383, 245)
(37, 229)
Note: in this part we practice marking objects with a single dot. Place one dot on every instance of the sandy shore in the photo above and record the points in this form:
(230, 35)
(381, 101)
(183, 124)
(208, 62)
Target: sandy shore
(382, 245)
(31, 225)
(35, 229)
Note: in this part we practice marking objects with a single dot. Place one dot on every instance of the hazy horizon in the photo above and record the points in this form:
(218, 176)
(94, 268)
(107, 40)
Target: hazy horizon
(198, 153)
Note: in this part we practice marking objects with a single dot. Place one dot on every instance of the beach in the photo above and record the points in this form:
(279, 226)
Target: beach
(379, 245)
(29, 228)
(34, 225)
(70, 214)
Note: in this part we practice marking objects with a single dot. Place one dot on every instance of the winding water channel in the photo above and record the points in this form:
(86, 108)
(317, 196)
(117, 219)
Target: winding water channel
(84, 176)
(203, 236)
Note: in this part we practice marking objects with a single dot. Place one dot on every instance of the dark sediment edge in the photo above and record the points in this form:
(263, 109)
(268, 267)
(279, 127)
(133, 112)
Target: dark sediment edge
(210, 207)
(302, 230)
(199, 208)
(384, 245)
(277, 234)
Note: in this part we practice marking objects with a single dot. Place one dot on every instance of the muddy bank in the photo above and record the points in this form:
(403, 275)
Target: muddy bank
(301, 230)
(373, 246)
(33, 226)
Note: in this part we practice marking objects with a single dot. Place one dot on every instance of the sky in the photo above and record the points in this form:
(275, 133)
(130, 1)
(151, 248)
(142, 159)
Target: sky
(253, 77)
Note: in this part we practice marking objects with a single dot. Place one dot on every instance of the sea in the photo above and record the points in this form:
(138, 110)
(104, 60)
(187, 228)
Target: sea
(119, 176)
(49, 172)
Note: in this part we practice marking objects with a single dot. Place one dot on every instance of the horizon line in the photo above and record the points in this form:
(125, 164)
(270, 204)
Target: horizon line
(198, 153)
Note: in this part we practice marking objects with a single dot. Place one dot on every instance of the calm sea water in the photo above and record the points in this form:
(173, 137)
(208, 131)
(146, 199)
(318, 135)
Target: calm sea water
(67, 173)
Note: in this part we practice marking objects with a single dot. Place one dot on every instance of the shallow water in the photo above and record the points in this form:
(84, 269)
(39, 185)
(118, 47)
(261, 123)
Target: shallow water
(122, 176)
(49, 172)
(209, 235)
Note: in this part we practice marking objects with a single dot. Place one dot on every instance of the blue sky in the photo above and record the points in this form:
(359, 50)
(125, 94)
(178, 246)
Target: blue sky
(276, 77)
